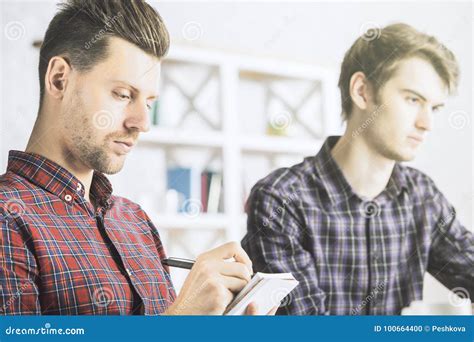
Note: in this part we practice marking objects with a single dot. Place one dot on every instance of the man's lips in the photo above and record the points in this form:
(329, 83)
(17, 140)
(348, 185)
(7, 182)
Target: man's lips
(416, 138)
(124, 146)
(128, 143)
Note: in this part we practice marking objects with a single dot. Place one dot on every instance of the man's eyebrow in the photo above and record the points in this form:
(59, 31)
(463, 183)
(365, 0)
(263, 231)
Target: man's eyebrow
(135, 89)
(415, 93)
(420, 96)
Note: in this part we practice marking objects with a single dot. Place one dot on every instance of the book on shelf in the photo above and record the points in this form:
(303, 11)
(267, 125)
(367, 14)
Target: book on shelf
(195, 187)
(213, 192)
(185, 181)
(154, 113)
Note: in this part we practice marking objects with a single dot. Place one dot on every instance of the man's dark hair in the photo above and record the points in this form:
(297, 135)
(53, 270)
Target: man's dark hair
(80, 30)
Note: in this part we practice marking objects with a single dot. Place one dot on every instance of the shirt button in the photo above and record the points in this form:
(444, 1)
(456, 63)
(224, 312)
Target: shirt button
(79, 186)
(128, 272)
(68, 198)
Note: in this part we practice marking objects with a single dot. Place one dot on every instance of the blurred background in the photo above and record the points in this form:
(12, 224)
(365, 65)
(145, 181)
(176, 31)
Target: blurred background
(246, 88)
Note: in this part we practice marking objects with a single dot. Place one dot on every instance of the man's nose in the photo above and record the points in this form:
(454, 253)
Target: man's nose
(424, 119)
(138, 117)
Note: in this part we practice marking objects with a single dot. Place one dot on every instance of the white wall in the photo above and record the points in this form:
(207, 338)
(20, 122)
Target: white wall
(317, 32)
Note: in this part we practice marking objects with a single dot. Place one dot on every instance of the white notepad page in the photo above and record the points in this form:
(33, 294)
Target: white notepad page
(266, 290)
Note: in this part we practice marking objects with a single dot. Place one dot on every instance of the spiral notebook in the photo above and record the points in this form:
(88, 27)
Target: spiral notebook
(266, 290)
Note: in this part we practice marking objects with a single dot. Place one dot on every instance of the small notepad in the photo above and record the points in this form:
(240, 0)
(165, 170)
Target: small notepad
(266, 290)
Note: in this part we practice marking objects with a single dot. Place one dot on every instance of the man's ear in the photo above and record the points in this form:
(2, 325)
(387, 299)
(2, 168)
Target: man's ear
(56, 77)
(359, 90)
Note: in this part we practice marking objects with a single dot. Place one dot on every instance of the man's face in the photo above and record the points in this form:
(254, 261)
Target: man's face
(406, 105)
(106, 108)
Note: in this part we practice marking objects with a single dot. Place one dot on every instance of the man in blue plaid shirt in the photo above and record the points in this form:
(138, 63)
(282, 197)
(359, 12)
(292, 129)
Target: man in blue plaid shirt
(354, 226)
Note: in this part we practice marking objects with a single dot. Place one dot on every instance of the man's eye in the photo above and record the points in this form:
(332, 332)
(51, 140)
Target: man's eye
(412, 100)
(122, 96)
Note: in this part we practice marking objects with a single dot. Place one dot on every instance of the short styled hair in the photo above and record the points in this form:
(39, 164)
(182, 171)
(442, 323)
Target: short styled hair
(378, 52)
(80, 30)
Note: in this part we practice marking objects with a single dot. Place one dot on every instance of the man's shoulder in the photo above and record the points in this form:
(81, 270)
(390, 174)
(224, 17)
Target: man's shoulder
(124, 209)
(418, 182)
(14, 186)
(126, 206)
(125, 203)
(288, 179)
(16, 195)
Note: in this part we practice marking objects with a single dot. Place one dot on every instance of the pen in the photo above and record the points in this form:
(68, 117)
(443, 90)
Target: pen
(178, 262)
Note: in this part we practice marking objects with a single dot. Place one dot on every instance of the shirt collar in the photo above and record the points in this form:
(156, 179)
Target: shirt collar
(336, 185)
(56, 179)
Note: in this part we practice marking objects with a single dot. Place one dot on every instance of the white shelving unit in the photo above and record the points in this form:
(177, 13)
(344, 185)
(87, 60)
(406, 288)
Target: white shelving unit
(206, 222)
(230, 141)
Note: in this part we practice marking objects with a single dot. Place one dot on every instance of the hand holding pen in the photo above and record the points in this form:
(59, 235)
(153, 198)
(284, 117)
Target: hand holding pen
(212, 281)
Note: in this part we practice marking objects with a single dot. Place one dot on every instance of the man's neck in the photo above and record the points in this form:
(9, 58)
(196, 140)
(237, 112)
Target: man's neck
(366, 171)
(49, 146)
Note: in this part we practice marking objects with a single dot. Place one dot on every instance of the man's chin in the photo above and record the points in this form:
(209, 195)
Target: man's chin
(406, 159)
(405, 156)
(112, 171)
(114, 164)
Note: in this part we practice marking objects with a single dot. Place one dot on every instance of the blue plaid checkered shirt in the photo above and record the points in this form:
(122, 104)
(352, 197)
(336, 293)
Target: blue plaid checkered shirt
(353, 256)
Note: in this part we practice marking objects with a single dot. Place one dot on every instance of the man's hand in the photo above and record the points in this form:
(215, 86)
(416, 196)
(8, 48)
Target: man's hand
(252, 310)
(213, 282)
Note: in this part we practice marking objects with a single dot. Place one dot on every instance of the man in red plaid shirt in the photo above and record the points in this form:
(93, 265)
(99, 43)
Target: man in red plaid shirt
(67, 245)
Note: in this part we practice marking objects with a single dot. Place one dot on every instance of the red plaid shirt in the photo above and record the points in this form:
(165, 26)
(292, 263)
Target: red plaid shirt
(60, 256)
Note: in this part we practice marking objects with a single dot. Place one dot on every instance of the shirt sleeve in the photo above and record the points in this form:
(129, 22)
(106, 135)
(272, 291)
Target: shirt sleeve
(18, 271)
(274, 237)
(451, 257)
